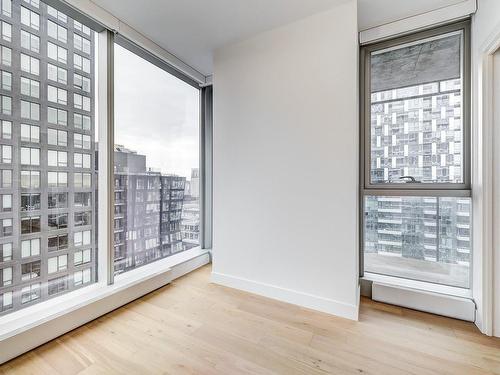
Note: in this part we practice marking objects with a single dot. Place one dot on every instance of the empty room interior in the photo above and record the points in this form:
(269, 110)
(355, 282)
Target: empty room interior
(250, 187)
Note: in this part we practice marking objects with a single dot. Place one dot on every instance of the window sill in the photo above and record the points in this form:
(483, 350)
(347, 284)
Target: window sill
(417, 285)
(25, 329)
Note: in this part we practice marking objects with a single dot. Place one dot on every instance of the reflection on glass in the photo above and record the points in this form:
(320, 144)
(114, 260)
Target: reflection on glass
(416, 112)
(156, 183)
(420, 238)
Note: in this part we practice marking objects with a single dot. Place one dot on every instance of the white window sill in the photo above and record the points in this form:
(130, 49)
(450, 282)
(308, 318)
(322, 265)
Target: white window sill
(34, 316)
(418, 285)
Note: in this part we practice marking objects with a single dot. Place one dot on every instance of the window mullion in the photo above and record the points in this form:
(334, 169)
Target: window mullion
(106, 147)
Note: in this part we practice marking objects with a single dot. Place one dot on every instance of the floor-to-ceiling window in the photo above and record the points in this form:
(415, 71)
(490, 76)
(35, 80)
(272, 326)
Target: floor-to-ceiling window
(156, 162)
(105, 150)
(47, 150)
(416, 206)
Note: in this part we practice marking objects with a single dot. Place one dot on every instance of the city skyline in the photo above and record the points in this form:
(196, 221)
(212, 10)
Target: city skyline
(152, 168)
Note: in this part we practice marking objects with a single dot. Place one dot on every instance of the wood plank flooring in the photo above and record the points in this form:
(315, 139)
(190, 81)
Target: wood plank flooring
(195, 327)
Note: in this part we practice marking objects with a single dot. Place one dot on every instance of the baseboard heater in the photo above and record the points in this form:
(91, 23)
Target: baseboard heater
(434, 303)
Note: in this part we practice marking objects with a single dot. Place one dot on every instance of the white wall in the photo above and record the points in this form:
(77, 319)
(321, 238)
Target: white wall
(485, 24)
(286, 163)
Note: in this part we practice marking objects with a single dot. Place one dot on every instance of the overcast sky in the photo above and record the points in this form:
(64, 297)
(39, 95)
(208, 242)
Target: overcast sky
(156, 114)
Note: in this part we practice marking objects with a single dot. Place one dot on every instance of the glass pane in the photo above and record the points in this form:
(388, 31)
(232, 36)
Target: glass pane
(40, 226)
(157, 210)
(416, 112)
(419, 238)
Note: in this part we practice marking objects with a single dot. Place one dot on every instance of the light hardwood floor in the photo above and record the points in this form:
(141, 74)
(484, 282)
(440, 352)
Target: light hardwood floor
(194, 327)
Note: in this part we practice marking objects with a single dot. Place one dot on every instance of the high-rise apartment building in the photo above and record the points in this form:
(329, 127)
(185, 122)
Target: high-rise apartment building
(190, 225)
(47, 236)
(148, 209)
(194, 183)
(417, 131)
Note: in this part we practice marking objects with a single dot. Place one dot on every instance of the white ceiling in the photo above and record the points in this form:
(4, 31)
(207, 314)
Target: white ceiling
(193, 29)
(373, 13)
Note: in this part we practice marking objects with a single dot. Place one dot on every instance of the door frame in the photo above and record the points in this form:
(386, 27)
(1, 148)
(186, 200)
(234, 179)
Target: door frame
(482, 183)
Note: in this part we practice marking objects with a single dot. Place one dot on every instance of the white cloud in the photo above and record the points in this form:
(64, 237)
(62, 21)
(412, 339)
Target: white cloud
(156, 114)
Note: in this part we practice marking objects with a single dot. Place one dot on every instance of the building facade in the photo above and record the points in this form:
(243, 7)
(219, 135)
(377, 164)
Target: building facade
(47, 236)
(190, 226)
(148, 212)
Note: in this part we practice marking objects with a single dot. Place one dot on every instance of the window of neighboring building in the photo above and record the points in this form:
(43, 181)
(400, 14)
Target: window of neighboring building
(82, 28)
(57, 14)
(81, 63)
(6, 252)
(30, 179)
(81, 43)
(30, 293)
(82, 277)
(30, 41)
(82, 238)
(57, 179)
(31, 270)
(6, 7)
(6, 104)
(6, 31)
(57, 74)
(57, 31)
(6, 129)
(30, 111)
(30, 248)
(30, 202)
(57, 221)
(57, 116)
(82, 121)
(30, 156)
(30, 224)
(5, 154)
(6, 202)
(81, 102)
(83, 180)
(58, 200)
(30, 18)
(82, 218)
(81, 82)
(57, 242)
(82, 141)
(57, 158)
(6, 78)
(6, 276)
(57, 95)
(30, 87)
(81, 160)
(30, 64)
(58, 285)
(58, 263)
(57, 53)
(82, 257)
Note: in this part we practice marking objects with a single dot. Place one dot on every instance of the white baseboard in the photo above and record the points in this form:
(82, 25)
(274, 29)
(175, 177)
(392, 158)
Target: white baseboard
(294, 297)
(104, 301)
(434, 303)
